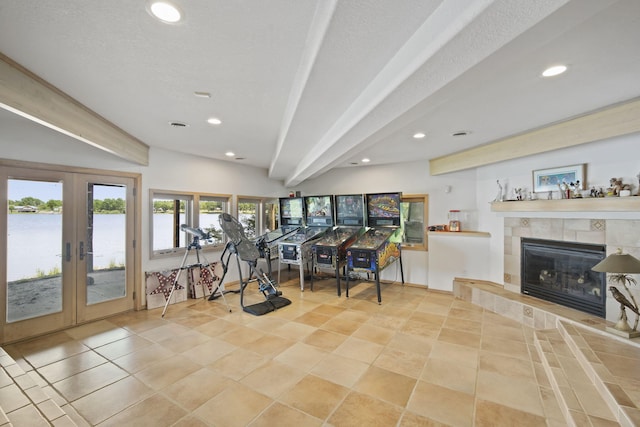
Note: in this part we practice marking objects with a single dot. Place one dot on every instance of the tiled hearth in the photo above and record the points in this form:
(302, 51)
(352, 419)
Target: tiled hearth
(615, 233)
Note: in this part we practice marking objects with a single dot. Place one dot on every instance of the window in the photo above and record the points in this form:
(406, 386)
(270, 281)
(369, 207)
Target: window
(249, 215)
(413, 219)
(209, 209)
(257, 215)
(271, 215)
(169, 210)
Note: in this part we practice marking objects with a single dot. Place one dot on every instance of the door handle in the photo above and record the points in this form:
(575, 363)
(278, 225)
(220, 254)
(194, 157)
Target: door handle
(67, 256)
(81, 255)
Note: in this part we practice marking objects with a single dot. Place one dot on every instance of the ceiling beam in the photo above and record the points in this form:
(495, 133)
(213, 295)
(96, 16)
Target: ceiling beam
(29, 96)
(617, 120)
(315, 37)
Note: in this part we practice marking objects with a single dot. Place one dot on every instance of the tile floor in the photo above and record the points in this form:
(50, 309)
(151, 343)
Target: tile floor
(422, 358)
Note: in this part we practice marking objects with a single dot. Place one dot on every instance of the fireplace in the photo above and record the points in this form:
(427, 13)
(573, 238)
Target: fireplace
(560, 272)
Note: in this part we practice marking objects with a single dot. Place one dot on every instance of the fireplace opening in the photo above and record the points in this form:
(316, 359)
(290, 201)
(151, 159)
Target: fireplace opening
(560, 272)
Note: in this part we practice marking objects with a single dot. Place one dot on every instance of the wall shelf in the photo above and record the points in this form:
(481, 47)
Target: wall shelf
(460, 233)
(604, 204)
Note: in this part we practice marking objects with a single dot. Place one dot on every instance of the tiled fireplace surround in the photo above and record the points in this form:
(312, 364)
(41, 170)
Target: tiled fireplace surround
(614, 233)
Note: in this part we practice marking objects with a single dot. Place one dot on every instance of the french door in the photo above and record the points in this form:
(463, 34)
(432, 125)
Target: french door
(69, 249)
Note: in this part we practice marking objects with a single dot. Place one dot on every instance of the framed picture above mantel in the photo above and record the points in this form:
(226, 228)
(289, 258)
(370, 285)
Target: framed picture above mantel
(545, 180)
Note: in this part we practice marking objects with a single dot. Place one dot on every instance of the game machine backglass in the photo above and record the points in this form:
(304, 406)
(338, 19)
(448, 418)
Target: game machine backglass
(291, 214)
(330, 251)
(296, 248)
(379, 246)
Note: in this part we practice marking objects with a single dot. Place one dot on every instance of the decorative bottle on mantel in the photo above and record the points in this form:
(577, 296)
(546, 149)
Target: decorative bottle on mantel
(454, 220)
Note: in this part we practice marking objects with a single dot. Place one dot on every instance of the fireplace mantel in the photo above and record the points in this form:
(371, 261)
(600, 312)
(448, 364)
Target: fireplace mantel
(604, 204)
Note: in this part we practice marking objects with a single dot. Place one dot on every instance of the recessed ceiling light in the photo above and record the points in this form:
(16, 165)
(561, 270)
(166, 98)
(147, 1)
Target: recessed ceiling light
(366, 160)
(214, 121)
(202, 94)
(165, 11)
(554, 71)
(419, 135)
(229, 154)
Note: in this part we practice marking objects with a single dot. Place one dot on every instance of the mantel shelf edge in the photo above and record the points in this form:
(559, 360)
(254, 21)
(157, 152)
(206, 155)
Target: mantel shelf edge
(603, 204)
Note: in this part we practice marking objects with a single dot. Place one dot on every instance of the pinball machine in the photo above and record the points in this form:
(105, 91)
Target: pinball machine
(330, 251)
(291, 214)
(295, 249)
(379, 246)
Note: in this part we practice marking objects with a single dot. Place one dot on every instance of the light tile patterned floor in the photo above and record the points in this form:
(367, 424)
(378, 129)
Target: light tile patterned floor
(422, 358)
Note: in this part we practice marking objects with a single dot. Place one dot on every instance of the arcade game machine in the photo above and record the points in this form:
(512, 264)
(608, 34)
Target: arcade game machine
(296, 248)
(291, 216)
(330, 251)
(379, 247)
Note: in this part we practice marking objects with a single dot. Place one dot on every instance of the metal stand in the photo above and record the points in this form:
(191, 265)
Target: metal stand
(195, 244)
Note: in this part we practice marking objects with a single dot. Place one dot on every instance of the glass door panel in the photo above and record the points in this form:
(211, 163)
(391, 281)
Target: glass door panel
(106, 235)
(105, 246)
(34, 249)
(37, 268)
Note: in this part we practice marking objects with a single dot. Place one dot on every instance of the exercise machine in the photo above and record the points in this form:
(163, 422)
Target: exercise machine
(246, 250)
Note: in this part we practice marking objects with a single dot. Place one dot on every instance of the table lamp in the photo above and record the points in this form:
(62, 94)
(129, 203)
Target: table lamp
(620, 267)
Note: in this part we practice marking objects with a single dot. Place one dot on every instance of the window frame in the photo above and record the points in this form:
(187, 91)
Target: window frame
(416, 198)
(192, 219)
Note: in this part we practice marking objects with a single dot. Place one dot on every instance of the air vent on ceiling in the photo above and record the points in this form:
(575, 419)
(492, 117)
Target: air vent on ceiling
(178, 124)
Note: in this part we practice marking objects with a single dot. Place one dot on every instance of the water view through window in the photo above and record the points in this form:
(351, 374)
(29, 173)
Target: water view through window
(34, 250)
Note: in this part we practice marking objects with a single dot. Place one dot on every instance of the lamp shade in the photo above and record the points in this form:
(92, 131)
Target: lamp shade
(618, 263)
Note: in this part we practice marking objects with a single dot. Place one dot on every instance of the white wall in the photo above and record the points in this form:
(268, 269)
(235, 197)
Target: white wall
(454, 255)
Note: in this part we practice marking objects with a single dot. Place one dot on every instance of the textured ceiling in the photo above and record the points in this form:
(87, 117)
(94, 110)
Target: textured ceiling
(305, 86)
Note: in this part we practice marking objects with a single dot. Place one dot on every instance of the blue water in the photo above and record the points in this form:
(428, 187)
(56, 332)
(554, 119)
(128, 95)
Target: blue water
(35, 241)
